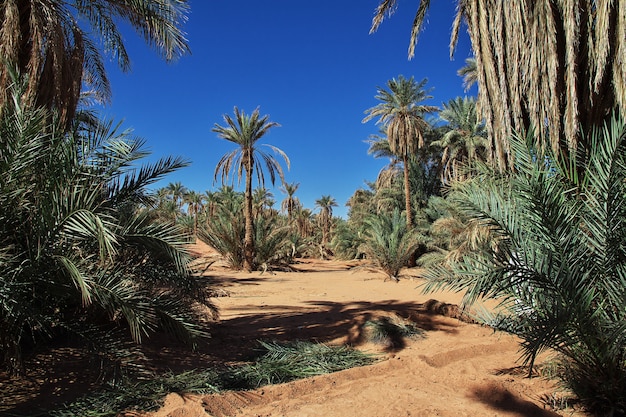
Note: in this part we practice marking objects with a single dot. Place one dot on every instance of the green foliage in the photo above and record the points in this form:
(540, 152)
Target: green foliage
(144, 395)
(226, 231)
(273, 244)
(278, 363)
(287, 362)
(347, 241)
(389, 243)
(75, 248)
(392, 331)
(557, 260)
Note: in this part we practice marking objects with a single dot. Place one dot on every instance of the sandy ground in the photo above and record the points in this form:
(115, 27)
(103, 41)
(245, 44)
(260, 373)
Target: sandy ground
(457, 369)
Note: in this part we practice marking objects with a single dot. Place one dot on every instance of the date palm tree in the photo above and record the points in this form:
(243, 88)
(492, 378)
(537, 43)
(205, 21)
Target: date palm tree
(55, 43)
(389, 243)
(262, 201)
(304, 221)
(195, 204)
(465, 142)
(401, 112)
(326, 204)
(248, 160)
(290, 203)
(554, 65)
(177, 192)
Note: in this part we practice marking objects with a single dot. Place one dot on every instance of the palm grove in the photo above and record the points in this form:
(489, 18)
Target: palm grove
(517, 194)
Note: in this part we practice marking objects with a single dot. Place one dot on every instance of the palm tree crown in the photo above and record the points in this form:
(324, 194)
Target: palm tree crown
(401, 112)
(469, 73)
(466, 141)
(290, 203)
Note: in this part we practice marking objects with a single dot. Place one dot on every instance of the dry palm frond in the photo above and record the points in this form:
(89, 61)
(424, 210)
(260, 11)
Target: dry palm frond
(556, 66)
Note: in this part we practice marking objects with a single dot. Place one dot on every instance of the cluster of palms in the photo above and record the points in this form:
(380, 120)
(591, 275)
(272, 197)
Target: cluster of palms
(541, 217)
(243, 226)
(423, 158)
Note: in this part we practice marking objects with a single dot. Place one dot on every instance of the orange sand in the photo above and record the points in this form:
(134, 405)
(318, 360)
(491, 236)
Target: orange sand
(458, 369)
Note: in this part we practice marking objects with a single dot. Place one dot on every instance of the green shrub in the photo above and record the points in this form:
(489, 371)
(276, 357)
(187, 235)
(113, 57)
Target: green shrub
(389, 244)
(76, 249)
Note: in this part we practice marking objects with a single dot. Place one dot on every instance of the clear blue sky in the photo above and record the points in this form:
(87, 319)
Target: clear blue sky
(312, 66)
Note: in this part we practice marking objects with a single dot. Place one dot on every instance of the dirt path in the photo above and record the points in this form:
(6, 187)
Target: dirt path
(457, 369)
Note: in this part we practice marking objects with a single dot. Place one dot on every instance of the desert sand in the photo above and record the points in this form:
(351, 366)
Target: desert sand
(457, 369)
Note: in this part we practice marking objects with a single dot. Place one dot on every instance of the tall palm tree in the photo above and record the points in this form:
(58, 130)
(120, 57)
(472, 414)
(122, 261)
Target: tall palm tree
(401, 112)
(195, 203)
(465, 142)
(211, 201)
(245, 131)
(177, 193)
(556, 66)
(290, 203)
(55, 44)
(326, 204)
(304, 221)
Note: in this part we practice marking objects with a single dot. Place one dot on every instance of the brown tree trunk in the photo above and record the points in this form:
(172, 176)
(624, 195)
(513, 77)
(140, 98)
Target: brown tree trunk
(248, 243)
(407, 194)
(407, 201)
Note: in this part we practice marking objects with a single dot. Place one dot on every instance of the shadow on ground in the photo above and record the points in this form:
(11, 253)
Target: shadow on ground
(501, 399)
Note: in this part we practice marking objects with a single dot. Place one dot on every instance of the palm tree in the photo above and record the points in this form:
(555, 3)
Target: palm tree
(290, 203)
(553, 65)
(304, 221)
(389, 243)
(211, 201)
(400, 111)
(245, 131)
(177, 192)
(361, 204)
(227, 199)
(195, 203)
(466, 140)
(326, 204)
(55, 44)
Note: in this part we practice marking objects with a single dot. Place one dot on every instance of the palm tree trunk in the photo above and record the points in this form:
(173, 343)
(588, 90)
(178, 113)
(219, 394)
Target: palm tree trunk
(195, 223)
(248, 243)
(407, 194)
(407, 202)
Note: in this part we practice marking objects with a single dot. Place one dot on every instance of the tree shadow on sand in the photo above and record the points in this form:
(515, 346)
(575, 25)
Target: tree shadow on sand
(321, 321)
(501, 399)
